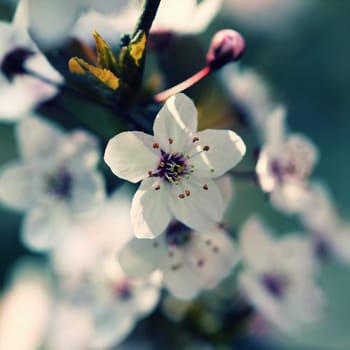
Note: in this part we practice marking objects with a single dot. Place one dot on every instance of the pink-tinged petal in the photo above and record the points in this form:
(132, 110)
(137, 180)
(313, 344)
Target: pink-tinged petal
(175, 123)
(256, 244)
(225, 150)
(211, 255)
(38, 139)
(149, 211)
(275, 133)
(21, 186)
(140, 257)
(198, 205)
(130, 155)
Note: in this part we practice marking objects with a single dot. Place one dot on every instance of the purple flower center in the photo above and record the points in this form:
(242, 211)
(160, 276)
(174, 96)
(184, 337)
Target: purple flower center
(60, 184)
(177, 234)
(172, 166)
(276, 284)
(13, 63)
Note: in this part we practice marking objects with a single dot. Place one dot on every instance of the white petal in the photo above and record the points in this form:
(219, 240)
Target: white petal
(177, 120)
(42, 142)
(22, 95)
(43, 227)
(88, 192)
(20, 186)
(140, 257)
(149, 211)
(256, 244)
(341, 244)
(226, 149)
(201, 209)
(225, 187)
(81, 150)
(212, 255)
(50, 21)
(178, 278)
(130, 155)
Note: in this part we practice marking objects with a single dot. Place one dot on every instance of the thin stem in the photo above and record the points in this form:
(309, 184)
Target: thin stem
(148, 14)
(194, 79)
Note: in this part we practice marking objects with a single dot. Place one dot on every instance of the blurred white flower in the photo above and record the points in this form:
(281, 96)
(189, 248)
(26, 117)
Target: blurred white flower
(250, 93)
(284, 164)
(330, 235)
(279, 277)
(55, 181)
(20, 61)
(274, 16)
(177, 166)
(190, 260)
(27, 295)
(51, 22)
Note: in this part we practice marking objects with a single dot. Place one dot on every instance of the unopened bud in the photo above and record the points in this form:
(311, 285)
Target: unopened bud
(226, 46)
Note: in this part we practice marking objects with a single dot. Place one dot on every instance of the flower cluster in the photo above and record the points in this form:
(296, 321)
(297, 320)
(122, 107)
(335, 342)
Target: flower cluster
(187, 247)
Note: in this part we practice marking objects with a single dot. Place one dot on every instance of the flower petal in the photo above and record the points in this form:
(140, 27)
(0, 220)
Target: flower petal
(226, 149)
(42, 142)
(201, 209)
(255, 243)
(20, 186)
(43, 227)
(140, 257)
(177, 120)
(212, 255)
(130, 155)
(149, 211)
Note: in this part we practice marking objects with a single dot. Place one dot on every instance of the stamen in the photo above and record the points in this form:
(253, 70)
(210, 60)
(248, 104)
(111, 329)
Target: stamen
(156, 145)
(205, 187)
(181, 196)
(206, 148)
(170, 141)
(187, 192)
(157, 188)
(150, 173)
(195, 139)
(212, 170)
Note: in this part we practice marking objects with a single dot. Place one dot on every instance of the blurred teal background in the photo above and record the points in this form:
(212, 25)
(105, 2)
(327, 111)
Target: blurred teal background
(307, 64)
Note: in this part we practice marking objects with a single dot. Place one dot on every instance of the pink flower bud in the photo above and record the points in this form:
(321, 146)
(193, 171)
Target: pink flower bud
(227, 45)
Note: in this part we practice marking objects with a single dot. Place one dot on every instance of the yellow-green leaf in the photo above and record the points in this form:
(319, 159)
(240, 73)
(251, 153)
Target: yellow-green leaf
(105, 56)
(137, 47)
(105, 76)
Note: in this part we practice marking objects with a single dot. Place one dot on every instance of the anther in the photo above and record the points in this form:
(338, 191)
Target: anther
(162, 164)
(205, 187)
(156, 145)
(150, 173)
(195, 139)
(170, 141)
(188, 193)
(181, 196)
(157, 188)
(212, 170)
(206, 148)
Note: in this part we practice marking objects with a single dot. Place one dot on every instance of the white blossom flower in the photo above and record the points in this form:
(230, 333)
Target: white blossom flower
(279, 276)
(177, 166)
(20, 91)
(55, 181)
(330, 235)
(26, 295)
(190, 260)
(284, 164)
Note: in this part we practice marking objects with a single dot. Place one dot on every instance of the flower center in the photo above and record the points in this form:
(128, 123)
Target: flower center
(177, 234)
(276, 284)
(60, 184)
(172, 166)
(123, 290)
(13, 63)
